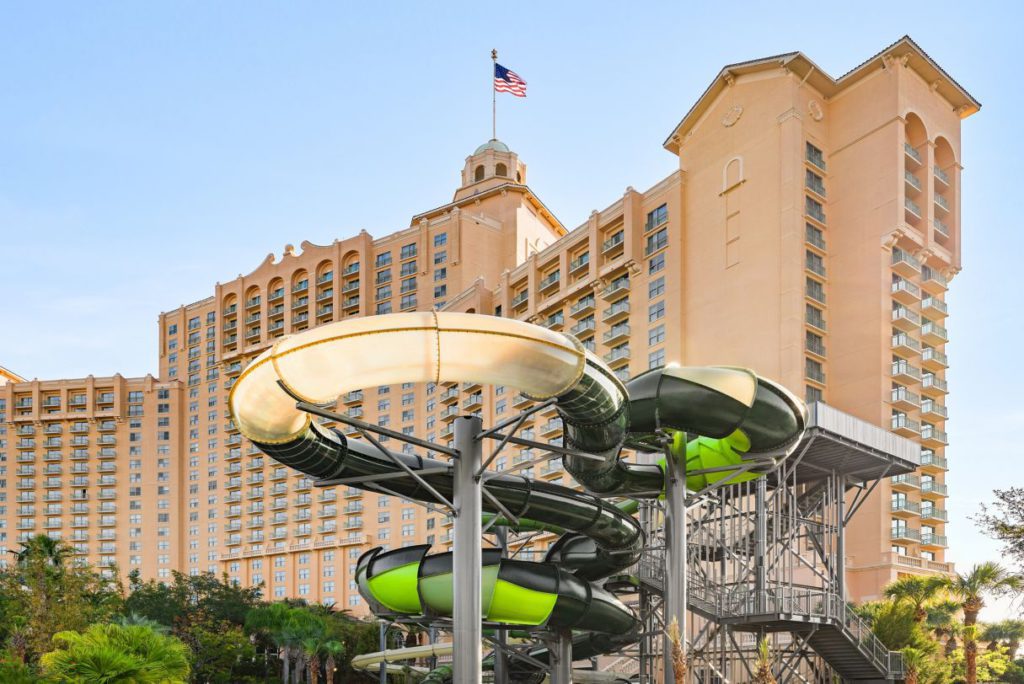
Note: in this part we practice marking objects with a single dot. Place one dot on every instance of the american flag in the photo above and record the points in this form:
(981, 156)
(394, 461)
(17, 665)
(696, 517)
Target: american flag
(508, 81)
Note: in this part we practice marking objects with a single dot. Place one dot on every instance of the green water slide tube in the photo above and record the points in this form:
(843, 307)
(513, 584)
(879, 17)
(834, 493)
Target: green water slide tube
(739, 426)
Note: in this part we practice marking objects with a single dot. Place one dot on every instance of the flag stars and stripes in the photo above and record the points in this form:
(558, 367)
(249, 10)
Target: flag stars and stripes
(508, 81)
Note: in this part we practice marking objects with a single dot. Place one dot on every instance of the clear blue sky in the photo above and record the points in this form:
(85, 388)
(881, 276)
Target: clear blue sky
(151, 149)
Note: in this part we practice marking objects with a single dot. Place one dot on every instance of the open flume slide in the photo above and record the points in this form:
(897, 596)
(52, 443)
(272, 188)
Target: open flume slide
(744, 426)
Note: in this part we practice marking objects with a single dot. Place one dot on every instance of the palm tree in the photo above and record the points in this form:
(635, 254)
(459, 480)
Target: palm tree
(763, 664)
(918, 591)
(316, 648)
(971, 589)
(112, 654)
(913, 660)
(1014, 634)
(54, 551)
(271, 622)
(332, 652)
(994, 634)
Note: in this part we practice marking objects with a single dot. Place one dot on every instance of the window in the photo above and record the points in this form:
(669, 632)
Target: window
(656, 335)
(440, 274)
(383, 259)
(478, 173)
(440, 239)
(172, 329)
(656, 287)
(655, 311)
(657, 217)
(656, 359)
(408, 251)
(656, 264)
(440, 291)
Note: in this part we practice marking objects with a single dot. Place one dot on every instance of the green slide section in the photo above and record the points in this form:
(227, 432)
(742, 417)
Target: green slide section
(409, 582)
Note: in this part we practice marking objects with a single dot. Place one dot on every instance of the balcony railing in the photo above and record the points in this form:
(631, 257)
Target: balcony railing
(912, 207)
(942, 202)
(912, 180)
(613, 242)
(912, 152)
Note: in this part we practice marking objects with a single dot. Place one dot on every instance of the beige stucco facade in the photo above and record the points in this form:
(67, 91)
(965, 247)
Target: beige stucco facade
(808, 232)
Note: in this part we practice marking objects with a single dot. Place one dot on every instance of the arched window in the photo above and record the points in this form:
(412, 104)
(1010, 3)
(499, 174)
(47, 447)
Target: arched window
(519, 177)
(732, 174)
(501, 170)
(478, 175)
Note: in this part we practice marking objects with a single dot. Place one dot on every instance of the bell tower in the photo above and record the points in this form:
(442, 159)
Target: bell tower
(491, 165)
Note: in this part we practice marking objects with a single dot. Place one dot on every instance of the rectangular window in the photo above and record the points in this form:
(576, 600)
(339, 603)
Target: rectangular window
(656, 264)
(440, 239)
(656, 335)
(383, 259)
(655, 311)
(657, 217)
(656, 287)
(408, 251)
(656, 359)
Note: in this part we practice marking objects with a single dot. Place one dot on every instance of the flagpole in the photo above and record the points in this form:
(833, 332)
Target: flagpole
(494, 98)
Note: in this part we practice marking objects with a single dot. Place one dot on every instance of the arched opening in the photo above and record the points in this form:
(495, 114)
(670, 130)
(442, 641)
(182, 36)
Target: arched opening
(501, 170)
(732, 173)
(324, 273)
(252, 296)
(300, 282)
(519, 177)
(478, 174)
(944, 178)
(916, 134)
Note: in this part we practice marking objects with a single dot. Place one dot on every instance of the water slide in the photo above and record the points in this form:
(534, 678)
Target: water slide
(744, 426)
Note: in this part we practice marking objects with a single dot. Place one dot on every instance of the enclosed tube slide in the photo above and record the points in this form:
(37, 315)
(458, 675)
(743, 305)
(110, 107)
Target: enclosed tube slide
(745, 425)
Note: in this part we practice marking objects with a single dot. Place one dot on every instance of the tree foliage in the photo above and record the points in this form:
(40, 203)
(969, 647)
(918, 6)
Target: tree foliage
(109, 653)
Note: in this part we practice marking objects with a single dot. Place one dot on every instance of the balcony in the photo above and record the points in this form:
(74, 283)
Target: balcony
(579, 263)
(613, 242)
(905, 319)
(934, 307)
(905, 291)
(933, 333)
(449, 414)
(933, 437)
(932, 409)
(934, 490)
(912, 182)
(903, 398)
(905, 509)
(904, 372)
(904, 264)
(912, 154)
(583, 327)
(549, 282)
(903, 425)
(551, 428)
(353, 397)
(904, 534)
(936, 541)
(554, 320)
(582, 307)
(905, 345)
(618, 288)
(450, 395)
(931, 461)
(942, 203)
(616, 312)
(618, 333)
(933, 386)
(933, 513)
(933, 359)
(617, 356)
(932, 281)
(814, 318)
(905, 482)
(815, 290)
(941, 228)
(472, 401)
(912, 209)
(814, 237)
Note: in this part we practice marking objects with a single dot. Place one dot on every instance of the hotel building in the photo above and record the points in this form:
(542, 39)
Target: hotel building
(808, 232)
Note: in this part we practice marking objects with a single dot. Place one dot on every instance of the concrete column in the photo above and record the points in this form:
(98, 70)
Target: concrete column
(467, 557)
(561, 663)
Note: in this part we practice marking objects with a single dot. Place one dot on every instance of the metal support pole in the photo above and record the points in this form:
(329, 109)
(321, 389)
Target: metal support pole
(468, 557)
(561, 666)
(383, 647)
(840, 537)
(500, 659)
(760, 544)
(675, 554)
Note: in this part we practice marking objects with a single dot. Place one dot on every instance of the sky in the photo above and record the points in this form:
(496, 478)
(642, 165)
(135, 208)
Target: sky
(150, 150)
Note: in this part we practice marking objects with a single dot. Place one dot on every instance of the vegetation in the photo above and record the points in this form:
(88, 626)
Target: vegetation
(933, 621)
(63, 622)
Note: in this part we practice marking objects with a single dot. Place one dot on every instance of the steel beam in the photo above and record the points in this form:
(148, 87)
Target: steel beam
(675, 553)
(467, 632)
